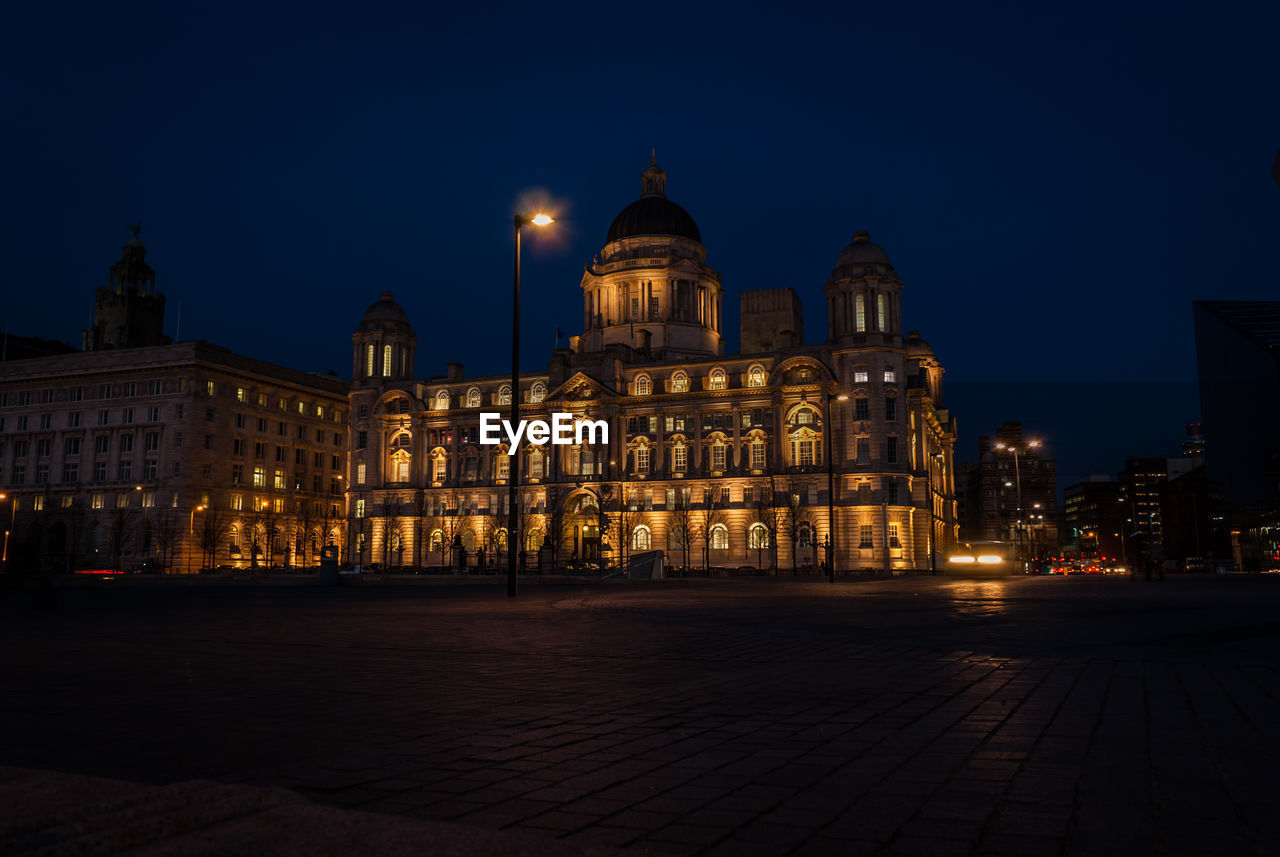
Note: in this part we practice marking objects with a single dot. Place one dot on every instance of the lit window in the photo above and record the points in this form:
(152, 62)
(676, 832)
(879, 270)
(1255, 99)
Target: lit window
(240, 395)
(893, 536)
(504, 464)
(642, 459)
(259, 477)
(718, 379)
(865, 536)
(719, 537)
(860, 313)
(473, 398)
(538, 393)
(882, 316)
(756, 377)
(718, 456)
(386, 361)
(504, 394)
(680, 458)
(402, 470)
(757, 455)
(641, 539)
(758, 537)
(535, 465)
(804, 417)
(442, 400)
(643, 385)
(360, 508)
(889, 376)
(361, 472)
(680, 383)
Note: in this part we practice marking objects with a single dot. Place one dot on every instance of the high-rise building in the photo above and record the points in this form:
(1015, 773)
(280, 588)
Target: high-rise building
(1017, 488)
(1093, 516)
(714, 458)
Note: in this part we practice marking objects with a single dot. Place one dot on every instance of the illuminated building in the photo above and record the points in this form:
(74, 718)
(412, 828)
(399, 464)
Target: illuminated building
(1016, 499)
(722, 455)
(127, 454)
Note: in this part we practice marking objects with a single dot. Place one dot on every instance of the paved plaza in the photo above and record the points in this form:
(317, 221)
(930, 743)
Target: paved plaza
(910, 716)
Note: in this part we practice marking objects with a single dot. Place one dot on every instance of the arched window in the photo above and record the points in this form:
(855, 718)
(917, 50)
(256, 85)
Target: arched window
(468, 540)
(860, 313)
(758, 537)
(719, 453)
(718, 380)
(504, 394)
(473, 397)
(538, 393)
(437, 540)
(535, 464)
(805, 539)
(368, 361)
(679, 383)
(882, 315)
(502, 463)
(679, 458)
(442, 400)
(439, 465)
(719, 537)
(805, 448)
(386, 361)
(643, 385)
(500, 539)
(757, 377)
(641, 538)
(804, 417)
(533, 540)
(402, 406)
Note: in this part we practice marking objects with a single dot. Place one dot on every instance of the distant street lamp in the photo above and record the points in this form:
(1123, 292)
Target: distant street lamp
(513, 517)
(191, 531)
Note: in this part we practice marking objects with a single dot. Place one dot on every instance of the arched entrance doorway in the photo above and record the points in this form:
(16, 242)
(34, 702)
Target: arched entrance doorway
(582, 526)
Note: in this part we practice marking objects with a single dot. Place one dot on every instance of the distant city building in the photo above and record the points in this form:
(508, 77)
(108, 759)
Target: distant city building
(175, 456)
(713, 458)
(1193, 446)
(1018, 493)
(1093, 516)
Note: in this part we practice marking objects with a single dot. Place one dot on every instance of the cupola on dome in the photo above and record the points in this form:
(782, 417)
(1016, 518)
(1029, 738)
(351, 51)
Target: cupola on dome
(386, 314)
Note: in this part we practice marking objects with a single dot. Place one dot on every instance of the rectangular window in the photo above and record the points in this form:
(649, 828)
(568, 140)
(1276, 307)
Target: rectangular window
(240, 394)
(865, 534)
(152, 442)
(635, 309)
(125, 472)
(748, 494)
(239, 420)
(718, 456)
(862, 408)
(100, 471)
(362, 440)
(861, 376)
(153, 415)
(280, 453)
(126, 443)
(76, 394)
(70, 472)
(19, 475)
(642, 459)
(864, 450)
(893, 536)
(72, 446)
(104, 391)
(260, 450)
(890, 408)
(278, 481)
(126, 416)
(46, 421)
(22, 423)
(360, 507)
(104, 417)
(24, 398)
(282, 429)
(37, 503)
(208, 443)
(153, 388)
(237, 503)
(44, 447)
(73, 420)
(46, 397)
(237, 474)
(891, 450)
(757, 455)
(97, 500)
(361, 473)
(177, 440)
(653, 308)
(208, 414)
(130, 389)
(259, 477)
(149, 469)
(299, 457)
(891, 491)
(209, 388)
(335, 462)
(262, 424)
(177, 411)
(680, 458)
(724, 495)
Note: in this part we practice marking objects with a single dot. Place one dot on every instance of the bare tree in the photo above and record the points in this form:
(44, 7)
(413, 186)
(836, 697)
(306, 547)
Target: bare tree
(215, 524)
(794, 516)
(120, 533)
(165, 530)
(705, 521)
(765, 513)
(422, 510)
(682, 523)
(303, 524)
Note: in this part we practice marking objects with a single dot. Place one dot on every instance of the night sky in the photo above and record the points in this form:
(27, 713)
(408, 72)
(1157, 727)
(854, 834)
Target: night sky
(1054, 187)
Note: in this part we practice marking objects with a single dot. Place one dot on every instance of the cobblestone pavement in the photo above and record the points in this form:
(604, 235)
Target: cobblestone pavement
(907, 716)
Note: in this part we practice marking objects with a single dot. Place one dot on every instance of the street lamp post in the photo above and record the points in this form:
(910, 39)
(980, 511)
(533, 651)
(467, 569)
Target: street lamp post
(828, 431)
(13, 508)
(513, 490)
(1017, 476)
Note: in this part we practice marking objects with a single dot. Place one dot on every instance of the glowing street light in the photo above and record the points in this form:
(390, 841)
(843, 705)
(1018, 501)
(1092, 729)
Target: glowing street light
(533, 218)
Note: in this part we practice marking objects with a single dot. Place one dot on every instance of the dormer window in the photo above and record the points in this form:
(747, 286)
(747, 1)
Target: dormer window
(679, 383)
(538, 393)
(504, 394)
(717, 380)
(442, 400)
(473, 398)
(643, 385)
(756, 377)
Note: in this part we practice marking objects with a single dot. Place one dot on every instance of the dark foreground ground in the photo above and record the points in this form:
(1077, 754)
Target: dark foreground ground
(908, 716)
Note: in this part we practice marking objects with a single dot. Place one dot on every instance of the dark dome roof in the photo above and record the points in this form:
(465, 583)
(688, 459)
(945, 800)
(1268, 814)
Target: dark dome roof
(385, 312)
(862, 251)
(917, 347)
(653, 215)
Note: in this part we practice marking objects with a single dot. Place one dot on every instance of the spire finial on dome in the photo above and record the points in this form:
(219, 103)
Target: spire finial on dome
(653, 181)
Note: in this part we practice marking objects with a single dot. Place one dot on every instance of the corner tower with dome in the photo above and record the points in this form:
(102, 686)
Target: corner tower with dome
(756, 458)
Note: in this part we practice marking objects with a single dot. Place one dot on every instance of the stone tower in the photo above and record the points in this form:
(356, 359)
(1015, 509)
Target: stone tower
(128, 313)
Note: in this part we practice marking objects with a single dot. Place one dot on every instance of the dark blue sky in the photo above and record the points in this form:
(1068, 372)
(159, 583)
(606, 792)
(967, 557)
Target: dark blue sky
(1054, 186)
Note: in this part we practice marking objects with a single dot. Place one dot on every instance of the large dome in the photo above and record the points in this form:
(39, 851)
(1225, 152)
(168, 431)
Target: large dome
(653, 215)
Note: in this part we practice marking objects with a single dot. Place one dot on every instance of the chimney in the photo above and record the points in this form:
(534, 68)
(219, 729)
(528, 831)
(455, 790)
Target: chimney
(453, 371)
